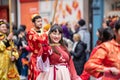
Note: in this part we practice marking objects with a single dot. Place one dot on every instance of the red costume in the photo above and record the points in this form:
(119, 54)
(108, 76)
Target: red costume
(85, 75)
(108, 55)
(37, 42)
(61, 67)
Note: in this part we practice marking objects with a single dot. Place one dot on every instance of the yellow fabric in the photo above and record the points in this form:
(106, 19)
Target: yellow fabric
(8, 70)
(47, 27)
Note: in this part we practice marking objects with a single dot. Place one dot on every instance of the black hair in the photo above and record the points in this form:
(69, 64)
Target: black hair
(81, 22)
(52, 29)
(36, 17)
(22, 28)
(100, 31)
(117, 25)
(108, 34)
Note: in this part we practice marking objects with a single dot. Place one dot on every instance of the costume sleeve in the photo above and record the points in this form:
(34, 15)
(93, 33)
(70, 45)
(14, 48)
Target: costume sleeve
(31, 39)
(73, 73)
(14, 50)
(45, 47)
(2, 46)
(85, 75)
(27, 48)
(6, 42)
(94, 65)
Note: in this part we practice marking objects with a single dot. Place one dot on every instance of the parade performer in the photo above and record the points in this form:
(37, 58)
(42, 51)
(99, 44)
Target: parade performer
(8, 54)
(37, 39)
(105, 62)
(61, 66)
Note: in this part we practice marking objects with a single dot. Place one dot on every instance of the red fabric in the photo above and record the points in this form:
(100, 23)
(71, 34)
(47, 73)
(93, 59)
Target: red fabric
(85, 75)
(33, 72)
(37, 45)
(106, 56)
(63, 57)
(27, 48)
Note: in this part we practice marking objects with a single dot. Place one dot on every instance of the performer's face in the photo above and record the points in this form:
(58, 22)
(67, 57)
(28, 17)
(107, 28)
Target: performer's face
(38, 23)
(3, 28)
(55, 36)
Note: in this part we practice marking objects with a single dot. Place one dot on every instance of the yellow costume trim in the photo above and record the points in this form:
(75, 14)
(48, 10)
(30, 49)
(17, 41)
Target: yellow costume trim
(2, 36)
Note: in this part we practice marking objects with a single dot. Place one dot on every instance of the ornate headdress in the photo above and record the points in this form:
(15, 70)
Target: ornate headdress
(2, 22)
(34, 15)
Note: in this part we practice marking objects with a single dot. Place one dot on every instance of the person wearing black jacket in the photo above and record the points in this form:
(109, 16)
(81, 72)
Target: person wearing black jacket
(78, 53)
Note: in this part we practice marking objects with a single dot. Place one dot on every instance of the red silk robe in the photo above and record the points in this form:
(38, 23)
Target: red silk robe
(36, 41)
(108, 55)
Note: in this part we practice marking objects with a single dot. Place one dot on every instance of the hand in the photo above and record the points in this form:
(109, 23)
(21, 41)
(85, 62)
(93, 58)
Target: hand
(20, 48)
(114, 71)
(10, 36)
(20, 36)
(23, 33)
(12, 58)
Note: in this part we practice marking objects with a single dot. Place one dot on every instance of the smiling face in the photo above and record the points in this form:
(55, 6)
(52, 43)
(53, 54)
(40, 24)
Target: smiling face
(55, 36)
(3, 28)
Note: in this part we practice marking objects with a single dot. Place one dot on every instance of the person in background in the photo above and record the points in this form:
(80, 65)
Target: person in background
(22, 62)
(99, 34)
(104, 35)
(61, 64)
(78, 53)
(105, 62)
(85, 35)
(37, 39)
(8, 54)
(67, 32)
